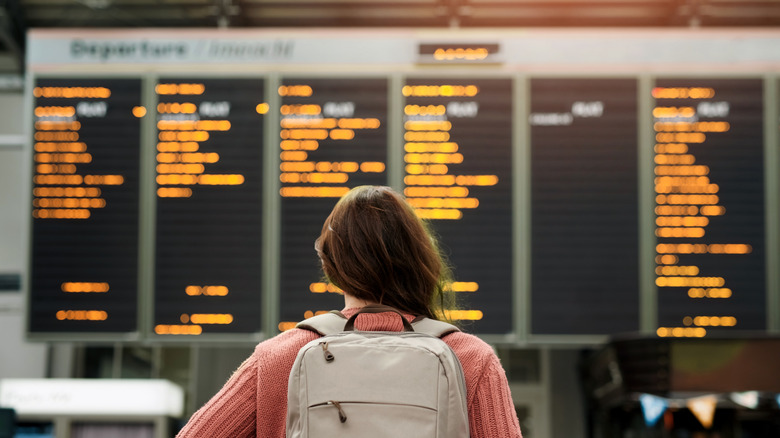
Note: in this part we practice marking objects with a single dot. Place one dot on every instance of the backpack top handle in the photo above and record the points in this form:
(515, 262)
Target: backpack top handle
(376, 308)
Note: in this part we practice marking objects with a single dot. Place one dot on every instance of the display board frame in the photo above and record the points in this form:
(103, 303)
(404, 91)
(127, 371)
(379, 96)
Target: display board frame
(396, 70)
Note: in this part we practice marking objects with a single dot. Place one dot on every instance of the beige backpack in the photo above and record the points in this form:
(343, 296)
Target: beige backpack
(367, 384)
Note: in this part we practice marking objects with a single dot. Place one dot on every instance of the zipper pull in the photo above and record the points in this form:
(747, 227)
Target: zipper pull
(328, 355)
(342, 415)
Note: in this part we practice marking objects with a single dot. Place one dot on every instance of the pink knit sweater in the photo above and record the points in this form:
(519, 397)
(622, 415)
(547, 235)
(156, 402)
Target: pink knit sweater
(253, 402)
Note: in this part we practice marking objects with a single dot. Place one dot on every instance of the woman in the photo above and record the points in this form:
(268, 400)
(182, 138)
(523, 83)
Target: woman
(375, 249)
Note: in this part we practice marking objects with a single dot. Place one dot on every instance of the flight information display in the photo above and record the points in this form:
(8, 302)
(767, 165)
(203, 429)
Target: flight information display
(584, 209)
(84, 252)
(709, 213)
(209, 206)
(333, 136)
(457, 175)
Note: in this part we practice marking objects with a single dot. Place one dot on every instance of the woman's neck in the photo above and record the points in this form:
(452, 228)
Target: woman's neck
(351, 302)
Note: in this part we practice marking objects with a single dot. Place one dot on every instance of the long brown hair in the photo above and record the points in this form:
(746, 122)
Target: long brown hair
(375, 248)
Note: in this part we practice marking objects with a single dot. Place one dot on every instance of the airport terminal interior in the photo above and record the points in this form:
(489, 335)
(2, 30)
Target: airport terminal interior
(603, 178)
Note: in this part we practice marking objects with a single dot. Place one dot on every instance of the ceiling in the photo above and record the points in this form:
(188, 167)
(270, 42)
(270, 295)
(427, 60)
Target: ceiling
(16, 16)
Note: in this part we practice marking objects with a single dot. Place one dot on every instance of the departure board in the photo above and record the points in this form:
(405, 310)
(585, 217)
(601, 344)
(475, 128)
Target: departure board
(584, 209)
(458, 162)
(709, 213)
(209, 206)
(84, 252)
(333, 136)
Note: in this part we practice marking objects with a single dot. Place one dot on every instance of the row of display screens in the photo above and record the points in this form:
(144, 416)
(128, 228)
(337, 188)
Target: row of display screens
(459, 151)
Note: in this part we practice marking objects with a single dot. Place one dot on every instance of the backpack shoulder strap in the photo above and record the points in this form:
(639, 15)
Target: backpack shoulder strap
(324, 324)
(433, 327)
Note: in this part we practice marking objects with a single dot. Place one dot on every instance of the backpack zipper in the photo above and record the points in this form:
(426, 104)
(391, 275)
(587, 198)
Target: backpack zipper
(342, 415)
(328, 355)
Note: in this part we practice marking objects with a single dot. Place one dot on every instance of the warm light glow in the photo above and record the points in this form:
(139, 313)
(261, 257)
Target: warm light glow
(690, 281)
(352, 123)
(687, 199)
(56, 136)
(715, 292)
(174, 192)
(104, 180)
(434, 158)
(671, 148)
(476, 180)
(713, 210)
(682, 221)
(313, 192)
(303, 134)
(82, 315)
(295, 90)
(262, 108)
(677, 270)
(427, 169)
(169, 89)
(84, 287)
(298, 166)
(221, 180)
(342, 134)
(681, 332)
(464, 286)
(211, 318)
(177, 329)
(212, 291)
(286, 325)
(683, 93)
(441, 192)
(667, 259)
(426, 136)
(678, 232)
(55, 111)
(416, 147)
(58, 126)
(428, 125)
(293, 156)
(372, 167)
(429, 180)
(319, 288)
(439, 213)
(682, 170)
(468, 54)
(72, 92)
(63, 158)
(74, 147)
(310, 109)
(425, 110)
(180, 168)
(440, 90)
(464, 315)
(69, 213)
(673, 112)
(304, 145)
(443, 202)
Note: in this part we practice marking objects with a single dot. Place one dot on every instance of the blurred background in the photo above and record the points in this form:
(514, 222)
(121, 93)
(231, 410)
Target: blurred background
(602, 176)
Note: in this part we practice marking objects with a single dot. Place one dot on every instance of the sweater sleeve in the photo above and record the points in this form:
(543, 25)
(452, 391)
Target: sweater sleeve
(492, 413)
(231, 412)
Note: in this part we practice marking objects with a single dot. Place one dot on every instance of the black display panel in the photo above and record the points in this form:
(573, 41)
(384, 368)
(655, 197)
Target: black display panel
(333, 137)
(584, 210)
(709, 176)
(209, 206)
(84, 253)
(458, 163)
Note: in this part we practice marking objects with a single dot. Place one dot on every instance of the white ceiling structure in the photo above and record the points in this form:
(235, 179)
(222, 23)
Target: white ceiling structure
(17, 16)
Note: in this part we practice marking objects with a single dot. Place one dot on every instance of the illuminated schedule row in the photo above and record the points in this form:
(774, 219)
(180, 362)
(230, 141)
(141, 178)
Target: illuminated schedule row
(458, 142)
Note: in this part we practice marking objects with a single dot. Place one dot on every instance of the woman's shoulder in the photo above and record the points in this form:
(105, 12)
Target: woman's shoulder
(285, 344)
(470, 348)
